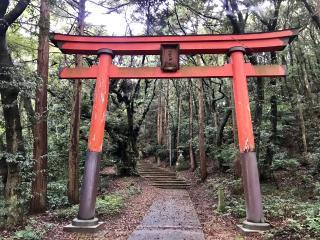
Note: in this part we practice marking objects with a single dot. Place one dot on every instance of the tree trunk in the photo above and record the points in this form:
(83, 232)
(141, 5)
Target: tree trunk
(13, 130)
(132, 147)
(234, 122)
(266, 172)
(307, 84)
(166, 116)
(27, 104)
(202, 153)
(221, 127)
(74, 152)
(302, 126)
(259, 98)
(159, 123)
(179, 121)
(314, 14)
(191, 155)
(40, 147)
(15, 146)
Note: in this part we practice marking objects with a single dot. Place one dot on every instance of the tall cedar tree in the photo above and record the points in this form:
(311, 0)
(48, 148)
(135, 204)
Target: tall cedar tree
(13, 129)
(40, 147)
(74, 152)
(201, 119)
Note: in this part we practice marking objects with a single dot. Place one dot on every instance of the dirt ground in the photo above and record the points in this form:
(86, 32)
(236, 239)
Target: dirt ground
(215, 226)
(120, 226)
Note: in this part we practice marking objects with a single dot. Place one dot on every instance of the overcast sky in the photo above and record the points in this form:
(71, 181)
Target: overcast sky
(115, 23)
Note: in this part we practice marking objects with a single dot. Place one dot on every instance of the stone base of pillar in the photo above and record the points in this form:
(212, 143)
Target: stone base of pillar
(251, 227)
(84, 226)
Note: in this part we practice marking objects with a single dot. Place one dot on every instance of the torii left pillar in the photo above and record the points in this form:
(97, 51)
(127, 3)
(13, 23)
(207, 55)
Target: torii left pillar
(254, 213)
(86, 219)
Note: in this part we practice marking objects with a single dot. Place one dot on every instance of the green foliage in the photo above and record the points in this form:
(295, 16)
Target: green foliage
(236, 207)
(66, 213)
(133, 191)
(224, 155)
(29, 233)
(162, 152)
(32, 231)
(303, 218)
(124, 170)
(278, 207)
(283, 162)
(221, 201)
(2, 213)
(234, 204)
(56, 194)
(17, 206)
(109, 204)
(182, 165)
(316, 190)
(105, 205)
(150, 150)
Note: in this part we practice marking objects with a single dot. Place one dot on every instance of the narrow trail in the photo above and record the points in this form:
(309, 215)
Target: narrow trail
(167, 208)
(172, 215)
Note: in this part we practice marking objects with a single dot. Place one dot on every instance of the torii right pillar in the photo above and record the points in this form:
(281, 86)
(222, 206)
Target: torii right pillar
(255, 220)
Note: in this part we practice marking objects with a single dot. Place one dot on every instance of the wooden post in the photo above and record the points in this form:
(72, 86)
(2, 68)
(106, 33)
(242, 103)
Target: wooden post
(96, 134)
(250, 174)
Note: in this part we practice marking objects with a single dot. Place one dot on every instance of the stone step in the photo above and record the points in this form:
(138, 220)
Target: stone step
(147, 169)
(170, 182)
(153, 170)
(156, 174)
(171, 186)
(161, 178)
(151, 177)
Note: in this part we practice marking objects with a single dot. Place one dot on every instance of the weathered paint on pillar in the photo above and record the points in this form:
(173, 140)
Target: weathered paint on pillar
(96, 134)
(241, 99)
(100, 101)
(250, 175)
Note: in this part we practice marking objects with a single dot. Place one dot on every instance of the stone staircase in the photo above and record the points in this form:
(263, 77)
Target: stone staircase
(159, 177)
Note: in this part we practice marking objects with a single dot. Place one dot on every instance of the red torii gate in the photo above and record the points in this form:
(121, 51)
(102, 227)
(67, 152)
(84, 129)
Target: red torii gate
(233, 45)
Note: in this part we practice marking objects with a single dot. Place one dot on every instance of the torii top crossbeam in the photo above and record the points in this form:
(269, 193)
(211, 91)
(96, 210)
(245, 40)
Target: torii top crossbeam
(197, 44)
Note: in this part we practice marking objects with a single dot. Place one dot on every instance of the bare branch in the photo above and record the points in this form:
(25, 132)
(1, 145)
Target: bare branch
(16, 11)
(197, 12)
(3, 7)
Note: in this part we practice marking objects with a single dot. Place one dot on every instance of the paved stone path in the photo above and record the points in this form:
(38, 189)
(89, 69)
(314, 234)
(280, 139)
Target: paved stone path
(171, 217)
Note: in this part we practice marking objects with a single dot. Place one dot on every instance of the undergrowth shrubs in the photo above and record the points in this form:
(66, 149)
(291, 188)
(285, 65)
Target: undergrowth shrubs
(182, 165)
(298, 214)
(289, 164)
(67, 213)
(108, 204)
(105, 205)
(302, 218)
(56, 196)
(32, 231)
(234, 201)
(133, 190)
